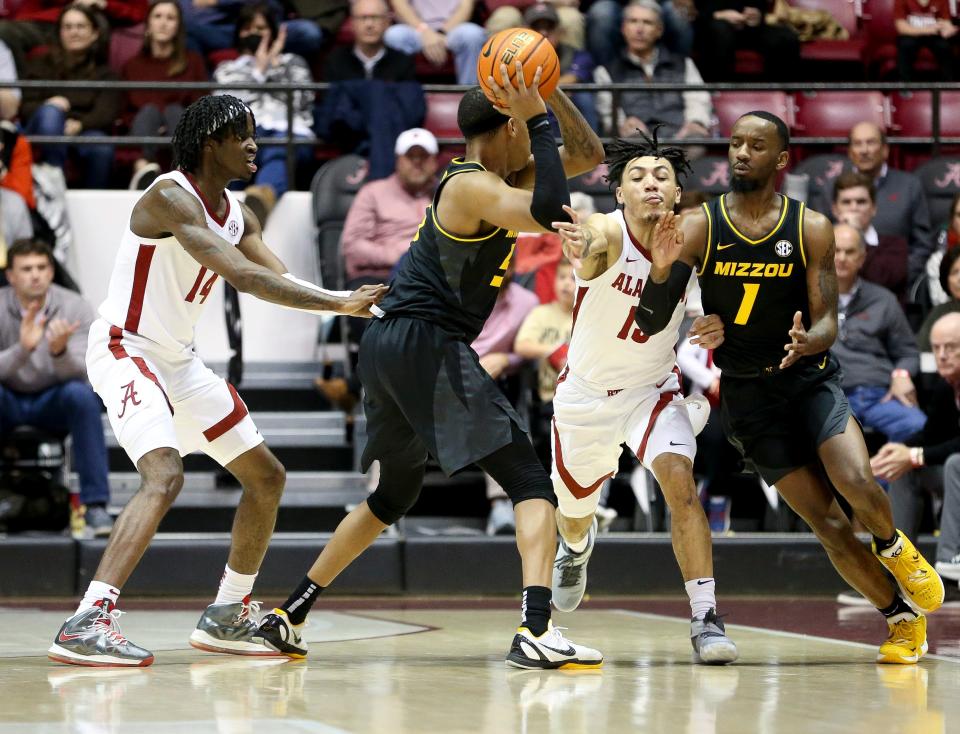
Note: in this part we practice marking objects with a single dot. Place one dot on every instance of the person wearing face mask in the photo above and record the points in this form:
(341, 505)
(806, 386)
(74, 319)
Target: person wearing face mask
(262, 61)
(83, 113)
(164, 57)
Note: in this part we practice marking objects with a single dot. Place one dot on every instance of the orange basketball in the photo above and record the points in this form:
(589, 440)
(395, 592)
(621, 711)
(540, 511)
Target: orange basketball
(531, 48)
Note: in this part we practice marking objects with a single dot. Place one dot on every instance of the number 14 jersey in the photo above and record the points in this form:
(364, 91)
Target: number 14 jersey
(755, 286)
(608, 351)
(157, 289)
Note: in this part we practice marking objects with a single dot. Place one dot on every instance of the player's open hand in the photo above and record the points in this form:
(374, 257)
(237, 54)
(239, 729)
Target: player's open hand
(359, 302)
(573, 237)
(799, 342)
(667, 242)
(707, 331)
(522, 102)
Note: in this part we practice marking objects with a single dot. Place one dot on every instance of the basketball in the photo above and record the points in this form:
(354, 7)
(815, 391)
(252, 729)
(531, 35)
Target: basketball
(531, 48)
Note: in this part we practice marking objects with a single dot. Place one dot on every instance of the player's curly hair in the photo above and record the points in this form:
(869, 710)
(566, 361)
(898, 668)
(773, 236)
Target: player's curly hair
(620, 152)
(216, 116)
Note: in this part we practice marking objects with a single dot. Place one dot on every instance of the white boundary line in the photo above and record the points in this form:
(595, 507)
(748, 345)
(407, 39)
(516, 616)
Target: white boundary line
(779, 633)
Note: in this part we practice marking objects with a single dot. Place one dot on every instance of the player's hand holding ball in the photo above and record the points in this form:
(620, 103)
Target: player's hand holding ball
(522, 102)
(517, 58)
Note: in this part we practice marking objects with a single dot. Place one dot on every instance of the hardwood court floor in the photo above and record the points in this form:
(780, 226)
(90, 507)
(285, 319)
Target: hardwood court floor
(440, 669)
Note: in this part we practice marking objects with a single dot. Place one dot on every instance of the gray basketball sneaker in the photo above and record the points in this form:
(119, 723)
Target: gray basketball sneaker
(570, 572)
(710, 642)
(92, 637)
(229, 628)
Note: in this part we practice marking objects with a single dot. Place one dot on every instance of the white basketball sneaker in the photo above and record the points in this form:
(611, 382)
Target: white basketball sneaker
(550, 651)
(570, 572)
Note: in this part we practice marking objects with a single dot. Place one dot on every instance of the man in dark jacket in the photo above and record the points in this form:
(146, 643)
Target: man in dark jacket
(930, 462)
(875, 347)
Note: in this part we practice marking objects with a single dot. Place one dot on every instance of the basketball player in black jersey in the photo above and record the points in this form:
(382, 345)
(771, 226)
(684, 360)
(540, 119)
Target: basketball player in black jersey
(765, 265)
(425, 391)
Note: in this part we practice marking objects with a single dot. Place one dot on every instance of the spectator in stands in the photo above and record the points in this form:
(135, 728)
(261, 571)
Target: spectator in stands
(316, 22)
(855, 203)
(947, 239)
(43, 378)
(727, 25)
(901, 207)
(382, 221)
(85, 113)
(644, 60)
(930, 463)
(164, 57)
(211, 24)
(950, 284)
(924, 24)
(495, 348)
(605, 17)
(369, 57)
(875, 346)
(513, 14)
(576, 66)
(37, 22)
(9, 97)
(436, 27)
(262, 61)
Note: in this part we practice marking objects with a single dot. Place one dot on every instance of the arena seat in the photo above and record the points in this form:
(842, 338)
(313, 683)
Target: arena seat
(729, 106)
(941, 182)
(711, 175)
(912, 116)
(821, 171)
(880, 54)
(843, 51)
(441, 118)
(332, 191)
(832, 114)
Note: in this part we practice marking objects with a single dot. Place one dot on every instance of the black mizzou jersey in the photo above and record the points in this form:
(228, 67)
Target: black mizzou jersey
(755, 286)
(449, 280)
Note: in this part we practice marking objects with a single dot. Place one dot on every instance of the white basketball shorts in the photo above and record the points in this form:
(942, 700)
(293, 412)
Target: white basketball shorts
(589, 427)
(157, 398)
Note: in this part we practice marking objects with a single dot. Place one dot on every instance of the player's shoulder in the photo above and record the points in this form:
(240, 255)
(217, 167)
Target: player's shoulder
(814, 221)
(169, 199)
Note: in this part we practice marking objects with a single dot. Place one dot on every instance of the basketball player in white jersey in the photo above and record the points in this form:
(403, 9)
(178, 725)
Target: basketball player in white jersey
(621, 386)
(186, 232)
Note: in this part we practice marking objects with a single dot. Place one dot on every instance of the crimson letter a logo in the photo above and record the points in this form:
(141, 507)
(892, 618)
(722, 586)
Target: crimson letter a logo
(128, 394)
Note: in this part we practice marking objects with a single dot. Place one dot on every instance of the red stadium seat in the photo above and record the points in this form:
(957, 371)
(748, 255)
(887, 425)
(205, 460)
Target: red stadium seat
(881, 51)
(912, 114)
(441, 117)
(729, 106)
(847, 51)
(711, 174)
(832, 114)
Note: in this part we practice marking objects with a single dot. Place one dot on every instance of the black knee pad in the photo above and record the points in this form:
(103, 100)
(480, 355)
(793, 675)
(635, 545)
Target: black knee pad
(398, 490)
(533, 486)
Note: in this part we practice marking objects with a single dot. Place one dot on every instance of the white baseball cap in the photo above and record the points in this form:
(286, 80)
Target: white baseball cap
(416, 136)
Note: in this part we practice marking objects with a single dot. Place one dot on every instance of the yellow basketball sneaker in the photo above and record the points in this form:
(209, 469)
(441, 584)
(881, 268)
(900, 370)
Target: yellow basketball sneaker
(921, 585)
(907, 641)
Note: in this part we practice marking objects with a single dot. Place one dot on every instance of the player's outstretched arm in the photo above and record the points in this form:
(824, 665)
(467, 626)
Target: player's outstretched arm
(168, 208)
(821, 292)
(587, 245)
(676, 248)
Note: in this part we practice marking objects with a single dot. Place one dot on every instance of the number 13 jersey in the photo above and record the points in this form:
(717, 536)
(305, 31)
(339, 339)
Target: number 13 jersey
(157, 289)
(608, 351)
(754, 286)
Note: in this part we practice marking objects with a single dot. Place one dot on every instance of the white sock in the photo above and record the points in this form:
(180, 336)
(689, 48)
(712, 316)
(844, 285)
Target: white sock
(894, 550)
(702, 593)
(580, 546)
(96, 591)
(234, 587)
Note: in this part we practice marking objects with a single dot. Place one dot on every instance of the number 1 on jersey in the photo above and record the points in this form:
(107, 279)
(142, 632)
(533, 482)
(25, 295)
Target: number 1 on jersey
(497, 280)
(750, 291)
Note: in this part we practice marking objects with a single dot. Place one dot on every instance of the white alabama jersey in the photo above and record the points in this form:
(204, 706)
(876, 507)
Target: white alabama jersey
(157, 290)
(608, 351)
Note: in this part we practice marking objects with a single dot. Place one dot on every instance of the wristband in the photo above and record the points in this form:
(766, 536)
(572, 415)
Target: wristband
(916, 457)
(558, 357)
(900, 372)
(538, 121)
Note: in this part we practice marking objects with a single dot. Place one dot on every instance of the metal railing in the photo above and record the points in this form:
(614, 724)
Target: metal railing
(935, 139)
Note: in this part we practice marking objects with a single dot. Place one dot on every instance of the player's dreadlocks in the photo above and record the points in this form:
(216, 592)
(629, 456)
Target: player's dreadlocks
(620, 152)
(214, 116)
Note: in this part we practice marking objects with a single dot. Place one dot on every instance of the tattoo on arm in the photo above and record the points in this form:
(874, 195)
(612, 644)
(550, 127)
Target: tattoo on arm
(828, 278)
(579, 139)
